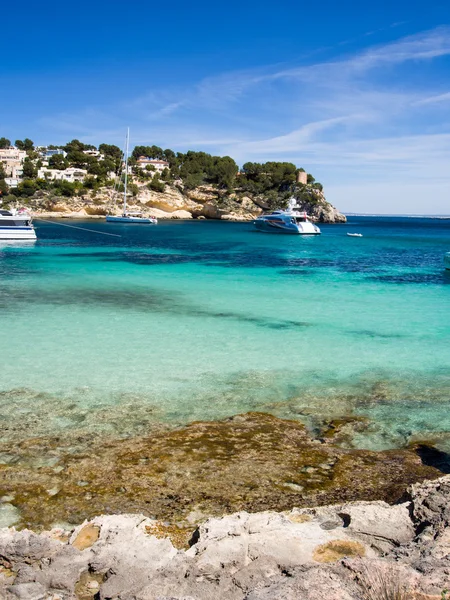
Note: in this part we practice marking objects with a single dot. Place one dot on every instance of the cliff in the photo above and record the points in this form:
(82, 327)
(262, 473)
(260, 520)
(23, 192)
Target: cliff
(175, 203)
(349, 551)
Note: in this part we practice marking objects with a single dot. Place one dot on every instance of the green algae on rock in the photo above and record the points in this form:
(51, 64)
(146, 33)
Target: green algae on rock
(250, 462)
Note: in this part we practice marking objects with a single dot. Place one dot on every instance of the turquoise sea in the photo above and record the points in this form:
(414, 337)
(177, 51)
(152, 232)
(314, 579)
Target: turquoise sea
(198, 320)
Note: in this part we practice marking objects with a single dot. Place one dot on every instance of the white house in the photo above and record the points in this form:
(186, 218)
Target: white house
(48, 153)
(158, 165)
(12, 159)
(95, 153)
(71, 174)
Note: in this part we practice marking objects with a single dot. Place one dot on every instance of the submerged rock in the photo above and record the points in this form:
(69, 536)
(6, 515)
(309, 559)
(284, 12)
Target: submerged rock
(249, 462)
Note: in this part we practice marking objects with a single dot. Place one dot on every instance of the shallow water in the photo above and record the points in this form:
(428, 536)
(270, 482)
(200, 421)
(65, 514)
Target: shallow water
(200, 320)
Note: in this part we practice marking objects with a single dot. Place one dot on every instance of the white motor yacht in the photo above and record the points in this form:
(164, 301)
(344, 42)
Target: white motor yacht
(287, 221)
(16, 225)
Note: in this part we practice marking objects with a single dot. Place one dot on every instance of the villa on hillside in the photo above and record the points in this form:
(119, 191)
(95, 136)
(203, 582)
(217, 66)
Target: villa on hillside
(71, 174)
(12, 159)
(48, 153)
(94, 153)
(158, 165)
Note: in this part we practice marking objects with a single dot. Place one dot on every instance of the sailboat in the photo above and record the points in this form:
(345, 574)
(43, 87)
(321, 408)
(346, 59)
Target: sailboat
(129, 216)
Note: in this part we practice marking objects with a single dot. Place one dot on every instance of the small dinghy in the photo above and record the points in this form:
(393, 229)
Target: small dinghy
(355, 234)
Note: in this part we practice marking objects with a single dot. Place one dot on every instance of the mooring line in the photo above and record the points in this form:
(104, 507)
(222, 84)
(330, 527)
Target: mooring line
(74, 227)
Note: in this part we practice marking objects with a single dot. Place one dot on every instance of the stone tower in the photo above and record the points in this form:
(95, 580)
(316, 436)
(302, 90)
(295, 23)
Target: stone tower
(302, 177)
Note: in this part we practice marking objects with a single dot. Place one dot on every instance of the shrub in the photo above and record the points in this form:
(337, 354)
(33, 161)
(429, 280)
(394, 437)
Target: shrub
(156, 185)
(385, 583)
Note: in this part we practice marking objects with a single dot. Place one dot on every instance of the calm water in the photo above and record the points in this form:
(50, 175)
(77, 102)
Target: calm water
(200, 320)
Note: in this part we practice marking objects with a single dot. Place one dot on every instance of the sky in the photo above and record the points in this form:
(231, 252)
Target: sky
(358, 94)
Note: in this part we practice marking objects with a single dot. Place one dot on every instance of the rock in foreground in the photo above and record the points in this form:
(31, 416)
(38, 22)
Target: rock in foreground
(340, 552)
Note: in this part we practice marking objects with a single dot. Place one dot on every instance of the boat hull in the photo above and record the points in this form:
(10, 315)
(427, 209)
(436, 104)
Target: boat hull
(17, 233)
(142, 220)
(288, 228)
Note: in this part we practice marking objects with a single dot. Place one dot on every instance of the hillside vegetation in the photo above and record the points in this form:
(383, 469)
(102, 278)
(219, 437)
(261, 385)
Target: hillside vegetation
(191, 181)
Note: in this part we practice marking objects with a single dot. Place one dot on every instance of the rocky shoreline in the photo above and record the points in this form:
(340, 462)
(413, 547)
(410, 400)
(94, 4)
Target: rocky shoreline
(205, 202)
(345, 551)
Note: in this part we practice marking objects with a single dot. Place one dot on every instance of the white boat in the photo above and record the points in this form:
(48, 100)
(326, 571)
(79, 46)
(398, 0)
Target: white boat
(16, 225)
(355, 234)
(287, 221)
(447, 260)
(129, 216)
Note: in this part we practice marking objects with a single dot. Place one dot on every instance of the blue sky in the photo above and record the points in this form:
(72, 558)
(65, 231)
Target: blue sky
(358, 95)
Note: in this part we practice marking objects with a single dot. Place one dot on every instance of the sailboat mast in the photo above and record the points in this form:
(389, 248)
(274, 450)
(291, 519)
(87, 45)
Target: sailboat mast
(126, 173)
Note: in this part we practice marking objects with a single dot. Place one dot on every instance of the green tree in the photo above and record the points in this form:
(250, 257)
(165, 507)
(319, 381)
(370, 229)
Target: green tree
(91, 183)
(192, 180)
(252, 170)
(3, 189)
(26, 144)
(113, 157)
(260, 178)
(110, 150)
(77, 146)
(95, 167)
(170, 157)
(57, 161)
(66, 188)
(166, 176)
(27, 188)
(29, 170)
(156, 184)
(134, 189)
(9, 198)
(154, 152)
(310, 178)
(224, 171)
(77, 158)
(5, 143)
(2, 171)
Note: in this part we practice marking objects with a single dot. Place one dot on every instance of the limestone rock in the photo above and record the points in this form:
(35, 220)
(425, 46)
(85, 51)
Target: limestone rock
(332, 554)
(204, 201)
(181, 214)
(27, 591)
(85, 537)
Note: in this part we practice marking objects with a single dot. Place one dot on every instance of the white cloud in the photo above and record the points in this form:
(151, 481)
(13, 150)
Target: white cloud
(434, 99)
(356, 118)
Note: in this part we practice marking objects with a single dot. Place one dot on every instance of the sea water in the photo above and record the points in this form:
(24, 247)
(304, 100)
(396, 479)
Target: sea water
(199, 320)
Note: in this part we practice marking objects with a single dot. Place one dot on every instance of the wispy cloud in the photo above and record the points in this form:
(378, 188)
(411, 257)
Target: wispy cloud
(367, 116)
(434, 99)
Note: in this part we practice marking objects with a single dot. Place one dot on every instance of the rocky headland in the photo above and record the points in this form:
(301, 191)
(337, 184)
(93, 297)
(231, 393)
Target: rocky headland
(344, 551)
(204, 202)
